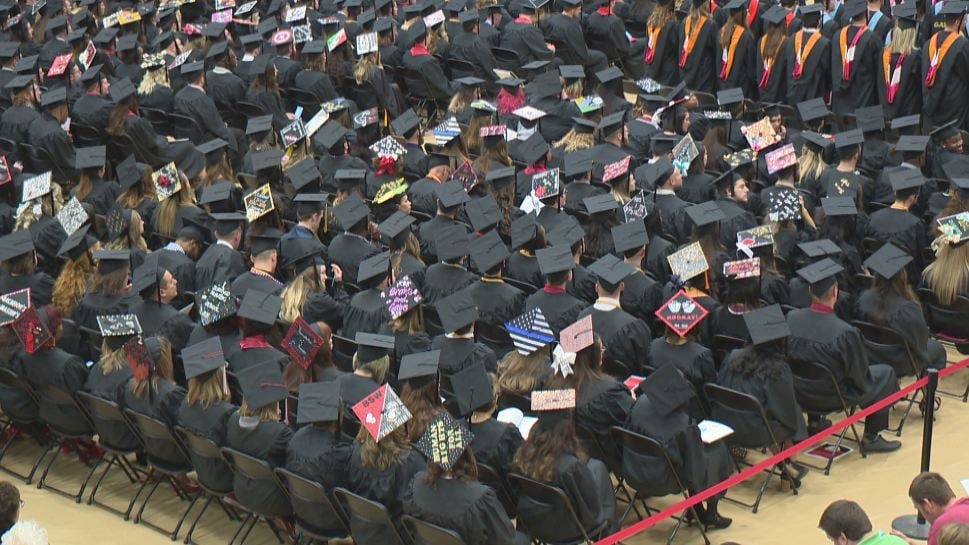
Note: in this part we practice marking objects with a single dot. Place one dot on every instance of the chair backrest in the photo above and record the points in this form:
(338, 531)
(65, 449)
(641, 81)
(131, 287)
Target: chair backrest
(312, 505)
(85, 135)
(744, 413)
(460, 68)
(883, 344)
(489, 477)
(157, 118)
(254, 469)
(107, 419)
(343, 351)
(425, 533)
(367, 510)
(184, 126)
(213, 473)
(520, 402)
(250, 110)
(66, 403)
(723, 344)
(554, 500)
(161, 446)
(946, 321)
(524, 286)
(12, 381)
(810, 378)
(307, 99)
(494, 337)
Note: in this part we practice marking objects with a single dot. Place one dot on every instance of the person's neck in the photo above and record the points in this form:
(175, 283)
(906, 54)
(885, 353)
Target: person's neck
(951, 27)
(363, 373)
(307, 225)
(786, 182)
(263, 266)
(527, 17)
(676, 341)
(636, 260)
(859, 23)
(846, 166)
(561, 286)
(228, 241)
(902, 205)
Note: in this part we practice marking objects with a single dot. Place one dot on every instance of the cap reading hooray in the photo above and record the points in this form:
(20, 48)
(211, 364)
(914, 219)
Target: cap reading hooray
(681, 313)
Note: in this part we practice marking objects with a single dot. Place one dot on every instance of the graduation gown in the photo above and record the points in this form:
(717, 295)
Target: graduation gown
(471, 47)
(700, 71)
(45, 132)
(571, 46)
(218, 263)
(815, 74)
(743, 68)
(526, 40)
(93, 305)
(41, 286)
(353, 388)
(906, 319)
(675, 223)
(775, 393)
(951, 85)
(15, 124)
(211, 424)
(903, 229)
(599, 405)
(641, 296)
(365, 313)
(272, 104)
(250, 280)
(319, 456)
(907, 99)
(192, 102)
(470, 509)
(657, 251)
(180, 265)
(444, 279)
(583, 285)
(691, 358)
(317, 83)
(457, 354)
(662, 54)
(254, 351)
(737, 220)
(387, 487)
(497, 301)
(428, 233)
(324, 307)
(164, 321)
(57, 368)
(560, 309)
(225, 88)
(626, 337)
(772, 84)
(860, 88)
(348, 250)
(163, 406)
(495, 443)
(523, 266)
(267, 441)
(435, 83)
(109, 387)
(92, 111)
(422, 194)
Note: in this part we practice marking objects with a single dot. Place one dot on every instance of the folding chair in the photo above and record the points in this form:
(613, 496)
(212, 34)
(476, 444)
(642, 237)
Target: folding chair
(947, 324)
(212, 474)
(522, 285)
(640, 448)
(167, 460)
(494, 337)
(368, 512)
(722, 345)
(425, 533)
(253, 469)
(157, 118)
(570, 528)
(65, 439)
(106, 417)
(250, 110)
(9, 380)
(184, 126)
(738, 410)
(85, 135)
(315, 513)
(882, 344)
(809, 379)
(489, 477)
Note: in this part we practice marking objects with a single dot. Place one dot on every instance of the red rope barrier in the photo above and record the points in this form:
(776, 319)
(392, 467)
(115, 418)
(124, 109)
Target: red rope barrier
(755, 470)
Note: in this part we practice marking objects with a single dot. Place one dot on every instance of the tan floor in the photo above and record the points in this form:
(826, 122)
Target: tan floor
(879, 483)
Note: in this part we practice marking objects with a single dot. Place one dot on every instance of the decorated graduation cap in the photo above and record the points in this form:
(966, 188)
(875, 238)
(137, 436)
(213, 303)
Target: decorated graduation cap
(954, 228)
(16, 244)
(418, 366)
(351, 211)
(457, 311)
(444, 441)
(888, 260)
(203, 357)
(524, 229)
(681, 313)
(766, 324)
(318, 402)
(302, 342)
(35, 187)
(259, 306)
(780, 158)
(31, 330)
(784, 204)
(546, 184)
(819, 248)
(402, 297)
(142, 355)
(610, 271)
(167, 181)
(742, 269)
(822, 274)
(530, 331)
(118, 325)
(667, 390)
(72, 216)
(688, 261)
(381, 412)
(374, 267)
(483, 212)
(487, 251)
(13, 304)
(555, 259)
(262, 384)
(553, 406)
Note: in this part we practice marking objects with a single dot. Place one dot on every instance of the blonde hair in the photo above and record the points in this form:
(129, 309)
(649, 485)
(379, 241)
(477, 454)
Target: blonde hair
(575, 89)
(134, 239)
(111, 360)
(903, 40)
(168, 210)
(152, 79)
(266, 413)
(71, 284)
(954, 534)
(27, 216)
(575, 141)
(208, 391)
(365, 67)
(382, 455)
(296, 292)
(810, 165)
(948, 275)
(377, 368)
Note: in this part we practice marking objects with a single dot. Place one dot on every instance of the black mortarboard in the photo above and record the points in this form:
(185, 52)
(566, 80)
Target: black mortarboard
(75, 245)
(308, 203)
(654, 174)
(523, 230)
(419, 365)
(498, 176)
(487, 251)
(303, 174)
(629, 236)
(104, 36)
(705, 213)
(600, 203)
(811, 110)
(819, 272)
(610, 270)
(147, 276)
(817, 141)
(8, 50)
(810, 9)
(314, 47)
(729, 97)
(945, 131)
(457, 311)
(555, 259)
(839, 206)
(853, 137)
(374, 267)
(318, 402)
(609, 74)
(472, 389)
(451, 194)
(854, 8)
(906, 178)
(192, 68)
(54, 97)
(766, 324)
(483, 213)
(217, 50)
(348, 178)
(572, 71)
(775, 15)
(405, 123)
(256, 125)
(351, 211)
(266, 240)
(611, 123)
(907, 121)
(203, 357)
(451, 242)
(92, 157)
(870, 119)
(819, 248)
(27, 64)
(566, 233)
(127, 43)
(578, 163)
(16, 244)
(666, 389)
(911, 144)
(372, 347)
(122, 89)
(534, 148)
(112, 260)
(953, 9)
(396, 227)
(259, 306)
(226, 222)
(888, 261)
(267, 159)
(262, 384)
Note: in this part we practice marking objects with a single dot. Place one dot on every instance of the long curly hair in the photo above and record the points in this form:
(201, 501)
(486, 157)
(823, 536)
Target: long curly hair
(758, 360)
(412, 247)
(389, 451)
(295, 294)
(72, 283)
(152, 79)
(520, 374)
(134, 239)
(27, 212)
(537, 456)
(142, 191)
(575, 141)
(424, 404)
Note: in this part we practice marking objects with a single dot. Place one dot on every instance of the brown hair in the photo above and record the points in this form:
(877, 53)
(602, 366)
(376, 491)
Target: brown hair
(22, 265)
(112, 284)
(295, 374)
(521, 374)
(587, 368)
(845, 517)
(206, 389)
(9, 505)
(465, 468)
(134, 239)
(954, 534)
(71, 284)
(537, 456)
(295, 294)
(163, 370)
(897, 286)
(930, 486)
(424, 404)
(381, 455)
(111, 360)
(377, 368)
(266, 413)
(141, 191)
(412, 322)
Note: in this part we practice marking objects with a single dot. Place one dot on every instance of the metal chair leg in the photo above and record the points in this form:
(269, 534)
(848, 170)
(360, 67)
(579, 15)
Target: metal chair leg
(148, 478)
(248, 520)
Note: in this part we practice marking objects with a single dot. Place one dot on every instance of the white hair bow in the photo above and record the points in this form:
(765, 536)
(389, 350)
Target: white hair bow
(562, 361)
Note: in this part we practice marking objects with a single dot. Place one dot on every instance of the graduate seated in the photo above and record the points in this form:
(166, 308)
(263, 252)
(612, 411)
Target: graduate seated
(110, 290)
(559, 308)
(497, 301)
(256, 316)
(151, 390)
(110, 374)
(449, 276)
(476, 399)
(458, 348)
(420, 391)
(156, 289)
(314, 364)
(367, 311)
(371, 368)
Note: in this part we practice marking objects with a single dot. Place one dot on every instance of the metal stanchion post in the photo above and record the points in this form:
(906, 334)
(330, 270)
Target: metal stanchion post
(914, 526)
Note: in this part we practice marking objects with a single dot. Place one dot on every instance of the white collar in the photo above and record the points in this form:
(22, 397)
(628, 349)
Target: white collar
(224, 243)
(606, 304)
(665, 192)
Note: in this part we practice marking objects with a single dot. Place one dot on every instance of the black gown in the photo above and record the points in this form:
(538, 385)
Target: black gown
(951, 83)
(324, 307)
(860, 88)
(62, 370)
(906, 319)
(902, 229)
(348, 251)
(41, 286)
(163, 321)
(319, 456)
(776, 395)
(626, 337)
(524, 267)
(700, 72)
(209, 423)
(109, 387)
(560, 309)
(815, 75)
(218, 263)
(692, 359)
(93, 305)
(444, 279)
(365, 313)
(495, 443)
(250, 280)
(387, 487)
(908, 98)
(162, 406)
(469, 508)
(268, 442)
(497, 302)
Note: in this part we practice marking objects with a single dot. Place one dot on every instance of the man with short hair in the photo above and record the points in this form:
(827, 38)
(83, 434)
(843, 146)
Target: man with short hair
(937, 503)
(222, 262)
(844, 522)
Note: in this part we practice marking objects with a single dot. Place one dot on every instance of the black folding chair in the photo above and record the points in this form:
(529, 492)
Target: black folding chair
(253, 469)
(213, 475)
(105, 415)
(65, 439)
(167, 461)
(567, 519)
(367, 511)
(722, 345)
(522, 285)
(85, 135)
(425, 533)
(882, 344)
(187, 127)
(737, 410)
(489, 477)
(647, 448)
(9, 380)
(314, 511)
(494, 337)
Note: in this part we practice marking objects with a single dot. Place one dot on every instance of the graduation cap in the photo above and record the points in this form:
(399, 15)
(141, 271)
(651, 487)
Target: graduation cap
(813, 109)
(262, 384)
(530, 331)
(16, 244)
(444, 441)
(388, 147)
(31, 330)
(60, 64)
(888, 261)
(151, 61)
(472, 389)
(451, 194)
(302, 342)
(9, 50)
(226, 222)
(854, 8)
(616, 170)
(742, 269)
(666, 389)
(110, 261)
(302, 174)
(688, 261)
(578, 163)
(784, 204)
(451, 242)
(167, 181)
(77, 244)
(906, 121)
(351, 211)
(203, 357)
(264, 241)
(104, 36)
(395, 226)
(92, 157)
(381, 412)
(215, 303)
(308, 203)
(374, 267)
(405, 124)
(533, 149)
(27, 65)
(259, 124)
(35, 187)
(348, 178)
(705, 213)
(870, 119)
(817, 274)
(766, 324)
(457, 311)
(780, 158)
(318, 402)
(819, 248)
(655, 174)
(566, 233)
(54, 97)
(577, 336)
(524, 229)
(118, 325)
(953, 9)
(906, 178)
(13, 304)
(912, 145)
(544, 401)
(729, 97)
(259, 202)
(555, 259)
(483, 213)
(546, 184)
(259, 306)
(610, 270)
(954, 228)
(371, 347)
(487, 251)
(817, 142)
(681, 313)
(71, 217)
(629, 236)
(402, 297)
(739, 158)
(419, 365)
(598, 204)
(853, 137)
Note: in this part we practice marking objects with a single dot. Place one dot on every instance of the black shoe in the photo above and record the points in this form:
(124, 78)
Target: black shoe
(880, 444)
(716, 522)
(816, 425)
